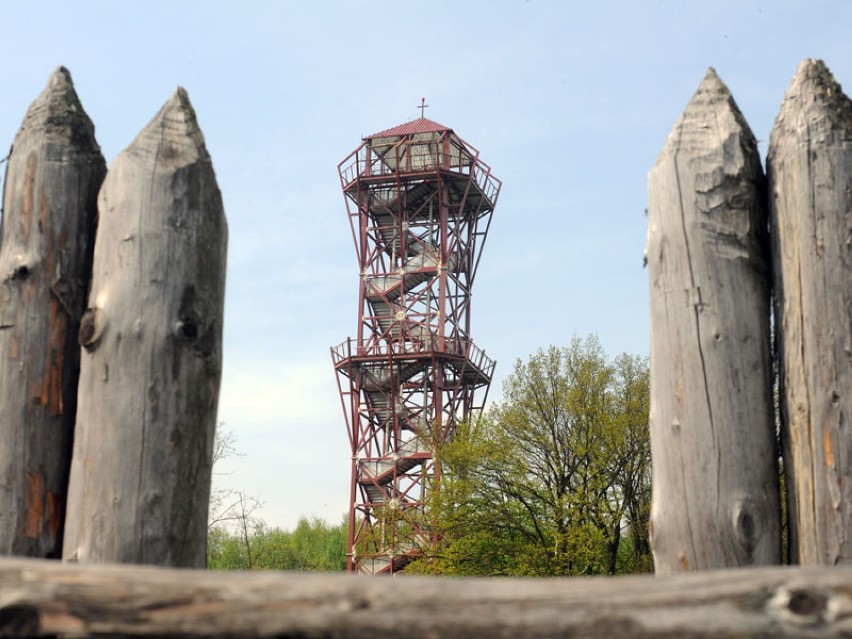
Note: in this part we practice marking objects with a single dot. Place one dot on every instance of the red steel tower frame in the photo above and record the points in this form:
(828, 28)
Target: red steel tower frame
(419, 201)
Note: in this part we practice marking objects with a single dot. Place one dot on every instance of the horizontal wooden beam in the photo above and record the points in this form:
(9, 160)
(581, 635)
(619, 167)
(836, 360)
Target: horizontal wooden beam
(39, 597)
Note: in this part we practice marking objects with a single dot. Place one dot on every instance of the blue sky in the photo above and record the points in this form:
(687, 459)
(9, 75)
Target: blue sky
(568, 102)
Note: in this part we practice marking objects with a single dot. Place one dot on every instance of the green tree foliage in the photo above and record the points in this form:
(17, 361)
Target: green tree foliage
(555, 480)
(312, 545)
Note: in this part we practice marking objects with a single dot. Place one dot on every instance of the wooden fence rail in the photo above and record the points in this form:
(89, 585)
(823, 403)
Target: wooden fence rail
(39, 598)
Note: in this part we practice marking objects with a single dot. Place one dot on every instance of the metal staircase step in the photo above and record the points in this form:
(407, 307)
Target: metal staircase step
(379, 379)
(374, 493)
(380, 472)
(388, 229)
(415, 197)
(420, 268)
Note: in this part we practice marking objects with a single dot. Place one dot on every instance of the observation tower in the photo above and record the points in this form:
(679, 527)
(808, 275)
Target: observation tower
(419, 201)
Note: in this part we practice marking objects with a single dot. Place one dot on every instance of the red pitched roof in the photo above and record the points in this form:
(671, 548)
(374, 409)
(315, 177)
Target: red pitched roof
(420, 125)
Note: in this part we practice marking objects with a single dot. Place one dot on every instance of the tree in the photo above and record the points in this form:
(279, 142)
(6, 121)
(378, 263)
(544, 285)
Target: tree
(551, 479)
(313, 545)
(632, 463)
(227, 506)
(231, 512)
(237, 539)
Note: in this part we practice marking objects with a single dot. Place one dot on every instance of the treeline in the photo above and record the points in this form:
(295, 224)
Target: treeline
(313, 545)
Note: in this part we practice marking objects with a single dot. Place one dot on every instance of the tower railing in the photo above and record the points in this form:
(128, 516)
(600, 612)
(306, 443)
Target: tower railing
(372, 347)
(360, 164)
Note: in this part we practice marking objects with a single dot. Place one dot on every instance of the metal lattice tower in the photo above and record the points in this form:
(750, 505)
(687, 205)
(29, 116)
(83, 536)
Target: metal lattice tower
(419, 202)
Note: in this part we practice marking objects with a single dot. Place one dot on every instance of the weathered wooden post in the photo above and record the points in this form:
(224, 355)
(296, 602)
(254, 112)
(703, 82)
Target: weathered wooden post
(151, 364)
(810, 180)
(49, 216)
(715, 501)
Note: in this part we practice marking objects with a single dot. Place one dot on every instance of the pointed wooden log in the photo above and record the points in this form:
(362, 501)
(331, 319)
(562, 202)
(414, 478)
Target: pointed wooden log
(151, 365)
(715, 487)
(810, 181)
(49, 214)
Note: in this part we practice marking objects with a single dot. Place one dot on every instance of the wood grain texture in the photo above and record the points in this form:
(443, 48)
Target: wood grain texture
(49, 214)
(151, 364)
(810, 180)
(40, 598)
(715, 493)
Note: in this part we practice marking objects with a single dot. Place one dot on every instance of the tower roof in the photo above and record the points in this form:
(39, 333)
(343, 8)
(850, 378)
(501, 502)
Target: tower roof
(420, 125)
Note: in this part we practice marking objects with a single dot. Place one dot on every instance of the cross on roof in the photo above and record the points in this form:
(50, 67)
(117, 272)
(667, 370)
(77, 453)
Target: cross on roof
(423, 106)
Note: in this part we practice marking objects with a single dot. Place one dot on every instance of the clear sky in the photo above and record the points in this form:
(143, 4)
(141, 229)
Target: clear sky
(569, 102)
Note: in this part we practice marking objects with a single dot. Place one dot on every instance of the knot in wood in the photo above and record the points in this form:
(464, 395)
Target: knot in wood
(21, 272)
(800, 605)
(19, 620)
(806, 603)
(91, 328)
(747, 521)
(187, 328)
